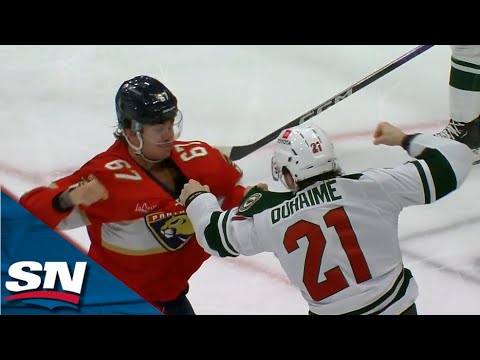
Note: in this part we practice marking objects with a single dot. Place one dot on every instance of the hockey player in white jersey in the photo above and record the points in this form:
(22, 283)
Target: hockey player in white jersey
(464, 92)
(336, 236)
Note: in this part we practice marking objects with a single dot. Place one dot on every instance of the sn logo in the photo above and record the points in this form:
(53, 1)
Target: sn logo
(28, 284)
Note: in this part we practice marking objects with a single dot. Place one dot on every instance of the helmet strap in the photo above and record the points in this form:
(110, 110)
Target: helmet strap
(138, 149)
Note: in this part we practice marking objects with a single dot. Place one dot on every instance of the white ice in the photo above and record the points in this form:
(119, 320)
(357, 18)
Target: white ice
(57, 111)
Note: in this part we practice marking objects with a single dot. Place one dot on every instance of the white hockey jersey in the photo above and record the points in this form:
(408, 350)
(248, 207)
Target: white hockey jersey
(337, 240)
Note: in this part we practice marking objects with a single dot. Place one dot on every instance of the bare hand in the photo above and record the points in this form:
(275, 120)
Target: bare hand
(261, 186)
(191, 187)
(88, 193)
(387, 134)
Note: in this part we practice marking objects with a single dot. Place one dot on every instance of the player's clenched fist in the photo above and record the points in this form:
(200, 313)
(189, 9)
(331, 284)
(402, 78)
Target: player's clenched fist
(261, 186)
(84, 193)
(88, 193)
(387, 134)
(191, 188)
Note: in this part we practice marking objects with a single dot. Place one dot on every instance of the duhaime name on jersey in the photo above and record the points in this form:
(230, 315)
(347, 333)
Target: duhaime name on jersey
(37, 282)
(325, 192)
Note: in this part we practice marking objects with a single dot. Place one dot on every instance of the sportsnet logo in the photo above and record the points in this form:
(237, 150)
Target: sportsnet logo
(31, 287)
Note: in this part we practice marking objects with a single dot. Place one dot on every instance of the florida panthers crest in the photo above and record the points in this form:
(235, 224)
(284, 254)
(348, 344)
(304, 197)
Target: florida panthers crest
(172, 230)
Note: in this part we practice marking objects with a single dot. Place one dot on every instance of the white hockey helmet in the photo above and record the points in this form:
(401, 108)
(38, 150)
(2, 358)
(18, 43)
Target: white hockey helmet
(306, 151)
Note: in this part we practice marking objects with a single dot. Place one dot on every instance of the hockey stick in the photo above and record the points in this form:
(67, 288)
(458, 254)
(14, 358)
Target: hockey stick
(238, 152)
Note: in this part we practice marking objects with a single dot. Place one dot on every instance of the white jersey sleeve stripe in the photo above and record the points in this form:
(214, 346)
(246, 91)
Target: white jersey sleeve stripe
(449, 162)
(214, 236)
(443, 175)
(423, 177)
(222, 229)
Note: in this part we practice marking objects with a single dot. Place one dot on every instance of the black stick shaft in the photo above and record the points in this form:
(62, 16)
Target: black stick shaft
(238, 152)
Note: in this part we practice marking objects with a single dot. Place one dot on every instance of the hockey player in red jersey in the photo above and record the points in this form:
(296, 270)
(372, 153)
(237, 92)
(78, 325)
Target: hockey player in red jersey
(127, 197)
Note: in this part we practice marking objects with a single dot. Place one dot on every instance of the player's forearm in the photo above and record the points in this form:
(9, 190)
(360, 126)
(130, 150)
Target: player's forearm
(39, 202)
(442, 155)
(199, 211)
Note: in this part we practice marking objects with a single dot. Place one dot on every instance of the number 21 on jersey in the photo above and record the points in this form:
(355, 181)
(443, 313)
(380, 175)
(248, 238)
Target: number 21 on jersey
(335, 280)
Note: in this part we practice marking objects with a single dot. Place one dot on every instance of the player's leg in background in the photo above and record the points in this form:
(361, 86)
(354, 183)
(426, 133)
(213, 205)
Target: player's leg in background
(464, 87)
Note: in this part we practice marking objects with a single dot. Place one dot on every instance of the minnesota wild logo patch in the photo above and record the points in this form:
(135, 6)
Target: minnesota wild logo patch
(247, 204)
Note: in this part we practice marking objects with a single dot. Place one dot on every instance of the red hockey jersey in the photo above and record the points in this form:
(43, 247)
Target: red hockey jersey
(140, 234)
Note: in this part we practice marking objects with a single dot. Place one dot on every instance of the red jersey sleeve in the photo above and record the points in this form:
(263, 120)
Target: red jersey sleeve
(206, 164)
(233, 198)
(39, 201)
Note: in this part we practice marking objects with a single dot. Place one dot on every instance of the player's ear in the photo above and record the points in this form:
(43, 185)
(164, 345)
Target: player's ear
(289, 179)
